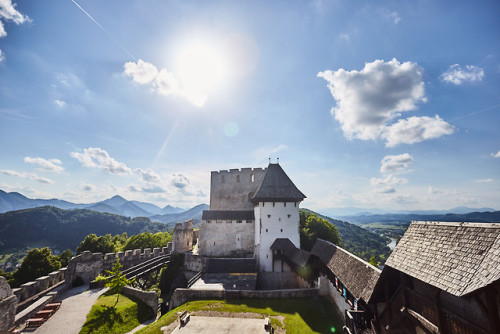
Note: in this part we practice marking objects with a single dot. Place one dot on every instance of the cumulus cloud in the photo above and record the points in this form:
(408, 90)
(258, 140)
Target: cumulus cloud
(148, 175)
(28, 176)
(392, 16)
(98, 158)
(150, 190)
(60, 103)
(50, 165)
(396, 163)
(8, 12)
(416, 129)
(387, 181)
(161, 81)
(180, 181)
(2, 56)
(458, 75)
(368, 99)
(496, 155)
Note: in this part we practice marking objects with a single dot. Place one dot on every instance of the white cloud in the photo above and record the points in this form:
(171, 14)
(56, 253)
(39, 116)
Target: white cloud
(345, 36)
(416, 129)
(8, 12)
(148, 175)
(393, 16)
(369, 99)
(263, 154)
(179, 181)
(396, 163)
(141, 71)
(98, 158)
(50, 165)
(496, 155)
(162, 81)
(484, 181)
(458, 75)
(60, 103)
(150, 190)
(387, 181)
(28, 176)
(2, 56)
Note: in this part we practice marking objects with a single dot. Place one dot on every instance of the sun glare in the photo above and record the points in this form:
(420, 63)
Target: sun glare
(200, 69)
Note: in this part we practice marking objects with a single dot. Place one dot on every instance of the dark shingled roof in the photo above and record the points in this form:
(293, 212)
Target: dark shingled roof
(358, 276)
(458, 258)
(228, 214)
(298, 256)
(277, 187)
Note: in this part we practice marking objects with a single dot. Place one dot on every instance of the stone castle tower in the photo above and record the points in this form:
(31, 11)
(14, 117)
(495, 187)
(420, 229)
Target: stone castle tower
(249, 210)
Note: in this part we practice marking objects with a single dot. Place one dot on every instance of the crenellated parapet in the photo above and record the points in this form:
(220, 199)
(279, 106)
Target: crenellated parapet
(89, 265)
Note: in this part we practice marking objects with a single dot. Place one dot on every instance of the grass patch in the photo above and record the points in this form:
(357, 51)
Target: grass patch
(302, 315)
(104, 318)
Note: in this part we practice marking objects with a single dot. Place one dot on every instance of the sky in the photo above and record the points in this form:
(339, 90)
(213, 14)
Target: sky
(391, 105)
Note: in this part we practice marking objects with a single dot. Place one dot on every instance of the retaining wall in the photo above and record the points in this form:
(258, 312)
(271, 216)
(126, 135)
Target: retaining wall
(8, 303)
(150, 298)
(181, 296)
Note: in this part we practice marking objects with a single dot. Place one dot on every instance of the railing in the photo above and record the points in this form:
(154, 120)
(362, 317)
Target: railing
(357, 322)
(194, 279)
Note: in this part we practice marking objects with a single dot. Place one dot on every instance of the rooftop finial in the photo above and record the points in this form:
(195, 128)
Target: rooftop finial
(278, 160)
(269, 159)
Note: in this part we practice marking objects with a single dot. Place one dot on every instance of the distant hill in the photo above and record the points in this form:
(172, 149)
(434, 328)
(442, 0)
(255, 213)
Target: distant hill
(481, 217)
(115, 205)
(358, 240)
(62, 229)
(172, 218)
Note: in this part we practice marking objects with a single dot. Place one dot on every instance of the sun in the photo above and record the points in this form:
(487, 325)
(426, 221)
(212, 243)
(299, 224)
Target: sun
(200, 68)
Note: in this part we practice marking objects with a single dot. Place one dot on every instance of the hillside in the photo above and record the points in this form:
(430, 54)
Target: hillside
(62, 229)
(481, 217)
(358, 240)
(171, 218)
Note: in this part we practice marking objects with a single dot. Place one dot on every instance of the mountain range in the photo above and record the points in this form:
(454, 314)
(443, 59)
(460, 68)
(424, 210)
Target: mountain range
(115, 205)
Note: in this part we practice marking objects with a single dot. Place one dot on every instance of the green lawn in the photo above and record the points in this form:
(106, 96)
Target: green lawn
(104, 318)
(302, 315)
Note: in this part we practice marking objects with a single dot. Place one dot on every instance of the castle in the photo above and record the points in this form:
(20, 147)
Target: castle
(250, 209)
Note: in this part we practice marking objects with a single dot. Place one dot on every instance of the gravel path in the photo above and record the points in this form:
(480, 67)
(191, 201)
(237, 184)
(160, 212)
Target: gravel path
(69, 319)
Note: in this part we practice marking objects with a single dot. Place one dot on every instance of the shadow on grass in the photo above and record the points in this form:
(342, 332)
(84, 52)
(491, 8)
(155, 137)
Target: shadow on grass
(106, 316)
(318, 313)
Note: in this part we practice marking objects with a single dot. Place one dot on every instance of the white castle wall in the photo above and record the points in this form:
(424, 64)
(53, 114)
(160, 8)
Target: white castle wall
(274, 220)
(226, 238)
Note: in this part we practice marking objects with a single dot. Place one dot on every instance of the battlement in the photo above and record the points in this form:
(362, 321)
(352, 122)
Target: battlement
(240, 170)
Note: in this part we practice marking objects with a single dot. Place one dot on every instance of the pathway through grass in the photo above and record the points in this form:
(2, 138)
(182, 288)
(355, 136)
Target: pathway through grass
(106, 318)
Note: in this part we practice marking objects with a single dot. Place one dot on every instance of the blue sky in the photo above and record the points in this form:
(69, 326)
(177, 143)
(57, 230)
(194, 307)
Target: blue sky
(389, 104)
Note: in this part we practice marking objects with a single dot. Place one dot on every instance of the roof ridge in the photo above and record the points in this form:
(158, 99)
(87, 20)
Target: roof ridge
(464, 224)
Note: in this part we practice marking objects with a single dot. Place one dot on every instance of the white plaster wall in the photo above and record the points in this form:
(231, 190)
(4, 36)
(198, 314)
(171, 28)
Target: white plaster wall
(226, 238)
(280, 220)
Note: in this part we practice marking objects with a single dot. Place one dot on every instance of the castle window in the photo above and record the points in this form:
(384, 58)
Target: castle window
(267, 230)
(214, 243)
(268, 216)
(289, 216)
(281, 230)
(252, 178)
(274, 204)
(208, 221)
(237, 178)
(284, 204)
(295, 204)
(238, 221)
(279, 218)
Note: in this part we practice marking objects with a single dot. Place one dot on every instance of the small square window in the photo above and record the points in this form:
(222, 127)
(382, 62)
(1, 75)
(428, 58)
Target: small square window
(289, 216)
(267, 230)
(281, 230)
(268, 216)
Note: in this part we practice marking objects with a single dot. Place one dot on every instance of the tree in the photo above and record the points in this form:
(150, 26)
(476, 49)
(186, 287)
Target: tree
(38, 262)
(148, 240)
(117, 280)
(65, 257)
(373, 261)
(103, 244)
(313, 227)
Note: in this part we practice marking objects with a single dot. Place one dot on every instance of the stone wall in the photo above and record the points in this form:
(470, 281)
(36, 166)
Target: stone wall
(8, 303)
(30, 289)
(89, 265)
(182, 240)
(280, 280)
(227, 238)
(194, 262)
(181, 296)
(232, 190)
(150, 298)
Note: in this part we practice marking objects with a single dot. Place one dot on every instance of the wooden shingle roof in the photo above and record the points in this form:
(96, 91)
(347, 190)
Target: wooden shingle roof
(458, 258)
(277, 187)
(298, 256)
(357, 275)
